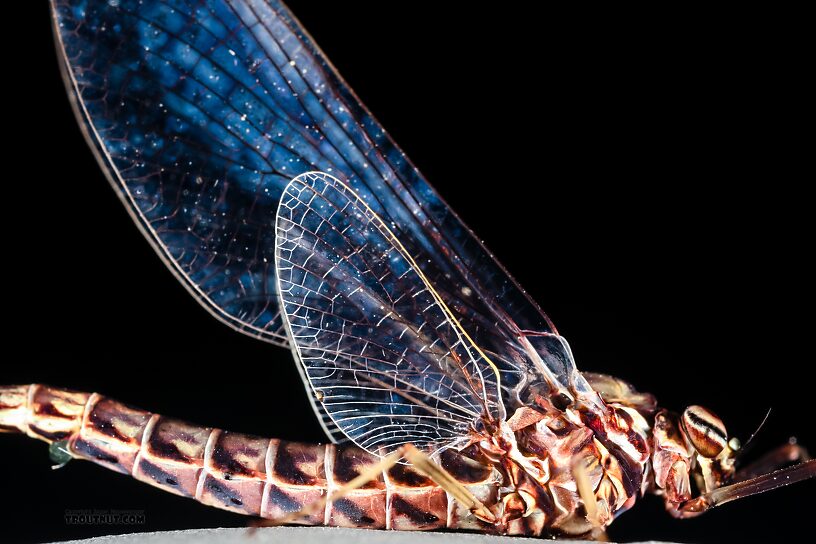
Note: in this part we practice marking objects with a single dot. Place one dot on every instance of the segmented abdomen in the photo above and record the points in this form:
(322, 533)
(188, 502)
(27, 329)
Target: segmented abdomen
(263, 477)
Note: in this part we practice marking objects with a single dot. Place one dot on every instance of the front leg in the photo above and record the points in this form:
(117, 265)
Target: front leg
(746, 488)
(773, 460)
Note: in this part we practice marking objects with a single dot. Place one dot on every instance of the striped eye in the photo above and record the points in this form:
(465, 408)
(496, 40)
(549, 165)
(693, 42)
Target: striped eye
(705, 431)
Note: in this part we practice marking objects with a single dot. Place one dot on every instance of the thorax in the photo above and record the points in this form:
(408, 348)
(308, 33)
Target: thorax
(555, 461)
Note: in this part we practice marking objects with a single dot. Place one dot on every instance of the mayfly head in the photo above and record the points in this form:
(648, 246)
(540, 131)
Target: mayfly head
(694, 448)
(691, 448)
(714, 452)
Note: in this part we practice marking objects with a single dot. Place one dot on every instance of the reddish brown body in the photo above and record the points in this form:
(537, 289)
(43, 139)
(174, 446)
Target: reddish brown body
(247, 474)
(546, 470)
(530, 493)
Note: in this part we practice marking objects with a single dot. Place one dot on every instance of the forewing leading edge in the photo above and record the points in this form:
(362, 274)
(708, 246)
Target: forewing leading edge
(202, 112)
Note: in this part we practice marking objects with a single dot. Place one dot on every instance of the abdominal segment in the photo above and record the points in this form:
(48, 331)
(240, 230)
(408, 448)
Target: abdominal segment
(262, 477)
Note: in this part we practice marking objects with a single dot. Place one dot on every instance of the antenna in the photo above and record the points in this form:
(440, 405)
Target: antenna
(753, 434)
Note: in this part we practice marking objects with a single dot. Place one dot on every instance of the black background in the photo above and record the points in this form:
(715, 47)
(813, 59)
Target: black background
(643, 176)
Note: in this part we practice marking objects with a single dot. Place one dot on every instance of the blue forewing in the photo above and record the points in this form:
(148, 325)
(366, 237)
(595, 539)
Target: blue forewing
(202, 113)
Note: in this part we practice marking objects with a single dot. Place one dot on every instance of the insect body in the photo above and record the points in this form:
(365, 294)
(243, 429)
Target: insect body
(281, 204)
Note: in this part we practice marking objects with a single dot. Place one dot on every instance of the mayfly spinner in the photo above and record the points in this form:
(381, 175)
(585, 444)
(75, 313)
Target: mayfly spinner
(280, 203)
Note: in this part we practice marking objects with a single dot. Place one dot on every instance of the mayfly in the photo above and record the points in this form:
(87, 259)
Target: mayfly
(279, 202)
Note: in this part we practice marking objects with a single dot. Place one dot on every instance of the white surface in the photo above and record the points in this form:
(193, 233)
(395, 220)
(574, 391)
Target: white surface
(307, 535)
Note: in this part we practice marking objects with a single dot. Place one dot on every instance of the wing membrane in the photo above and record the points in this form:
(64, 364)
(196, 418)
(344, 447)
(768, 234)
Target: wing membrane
(202, 112)
(383, 353)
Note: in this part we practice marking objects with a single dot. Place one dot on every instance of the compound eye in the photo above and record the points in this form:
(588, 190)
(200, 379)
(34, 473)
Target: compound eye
(705, 431)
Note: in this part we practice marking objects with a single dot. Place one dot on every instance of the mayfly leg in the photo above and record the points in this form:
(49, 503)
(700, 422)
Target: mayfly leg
(425, 465)
(420, 461)
(773, 460)
(580, 472)
(369, 474)
(746, 488)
